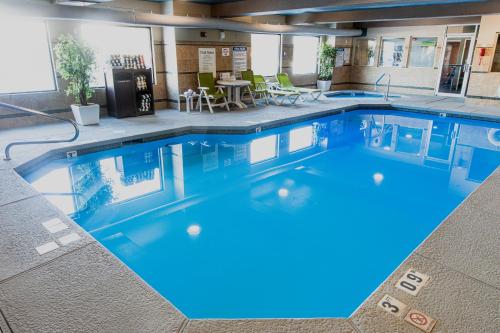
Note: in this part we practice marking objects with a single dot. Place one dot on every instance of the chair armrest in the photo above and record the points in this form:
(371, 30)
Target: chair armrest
(261, 85)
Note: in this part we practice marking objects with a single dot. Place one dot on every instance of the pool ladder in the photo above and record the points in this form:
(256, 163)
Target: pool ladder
(377, 83)
(39, 113)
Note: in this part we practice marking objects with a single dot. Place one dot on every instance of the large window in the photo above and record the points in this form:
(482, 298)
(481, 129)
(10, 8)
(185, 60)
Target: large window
(305, 54)
(265, 54)
(392, 52)
(25, 60)
(422, 52)
(364, 51)
(108, 39)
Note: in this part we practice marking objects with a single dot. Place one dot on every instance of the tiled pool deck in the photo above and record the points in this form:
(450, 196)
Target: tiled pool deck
(81, 287)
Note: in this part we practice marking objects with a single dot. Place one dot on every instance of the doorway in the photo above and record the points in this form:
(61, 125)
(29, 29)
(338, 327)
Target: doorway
(455, 66)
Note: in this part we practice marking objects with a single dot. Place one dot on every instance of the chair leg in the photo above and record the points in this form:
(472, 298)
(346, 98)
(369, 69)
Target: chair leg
(209, 104)
(226, 103)
(275, 99)
(198, 103)
(280, 101)
(251, 96)
(316, 97)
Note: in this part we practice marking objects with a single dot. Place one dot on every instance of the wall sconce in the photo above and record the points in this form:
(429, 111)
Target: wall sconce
(222, 34)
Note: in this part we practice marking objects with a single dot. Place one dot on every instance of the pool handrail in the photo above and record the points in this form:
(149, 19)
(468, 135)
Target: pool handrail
(39, 113)
(386, 95)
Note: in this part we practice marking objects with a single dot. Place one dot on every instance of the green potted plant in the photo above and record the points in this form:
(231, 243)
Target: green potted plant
(75, 63)
(327, 57)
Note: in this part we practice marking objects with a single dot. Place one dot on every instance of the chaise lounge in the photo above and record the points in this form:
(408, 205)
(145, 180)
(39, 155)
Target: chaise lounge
(286, 85)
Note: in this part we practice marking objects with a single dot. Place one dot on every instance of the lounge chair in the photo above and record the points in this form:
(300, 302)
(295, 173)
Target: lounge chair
(210, 92)
(286, 85)
(278, 96)
(256, 92)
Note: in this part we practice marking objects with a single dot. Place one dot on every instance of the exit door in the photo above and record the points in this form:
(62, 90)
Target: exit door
(455, 66)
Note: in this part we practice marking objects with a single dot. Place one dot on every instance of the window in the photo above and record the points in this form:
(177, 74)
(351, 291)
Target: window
(364, 52)
(265, 54)
(422, 52)
(25, 60)
(305, 54)
(392, 52)
(107, 40)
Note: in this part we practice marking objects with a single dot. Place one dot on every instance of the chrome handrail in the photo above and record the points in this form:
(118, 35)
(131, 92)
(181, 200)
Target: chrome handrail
(386, 95)
(39, 113)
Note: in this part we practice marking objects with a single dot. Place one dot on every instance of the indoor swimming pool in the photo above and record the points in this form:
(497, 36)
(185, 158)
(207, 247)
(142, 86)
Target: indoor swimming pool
(302, 221)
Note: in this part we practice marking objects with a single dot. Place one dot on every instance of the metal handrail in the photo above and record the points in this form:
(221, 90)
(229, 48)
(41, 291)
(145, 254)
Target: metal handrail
(386, 95)
(39, 113)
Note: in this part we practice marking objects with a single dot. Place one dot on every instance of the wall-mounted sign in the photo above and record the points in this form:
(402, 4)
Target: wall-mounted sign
(239, 59)
(343, 57)
(347, 56)
(206, 60)
(339, 60)
(226, 51)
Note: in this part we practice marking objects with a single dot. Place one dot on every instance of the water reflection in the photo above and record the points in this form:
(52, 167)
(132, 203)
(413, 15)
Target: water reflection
(107, 187)
(300, 138)
(263, 149)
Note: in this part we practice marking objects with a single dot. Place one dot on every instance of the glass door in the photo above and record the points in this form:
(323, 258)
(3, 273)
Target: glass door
(455, 66)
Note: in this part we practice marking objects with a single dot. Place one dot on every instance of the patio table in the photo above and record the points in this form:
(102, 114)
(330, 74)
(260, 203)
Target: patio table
(236, 85)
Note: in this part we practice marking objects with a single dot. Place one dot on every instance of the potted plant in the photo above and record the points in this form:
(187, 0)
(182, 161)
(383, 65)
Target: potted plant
(75, 63)
(327, 57)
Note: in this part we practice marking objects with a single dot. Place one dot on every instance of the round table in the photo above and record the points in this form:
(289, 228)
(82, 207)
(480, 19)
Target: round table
(236, 85)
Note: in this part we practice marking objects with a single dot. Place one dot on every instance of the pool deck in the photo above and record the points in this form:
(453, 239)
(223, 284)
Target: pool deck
(82, 287)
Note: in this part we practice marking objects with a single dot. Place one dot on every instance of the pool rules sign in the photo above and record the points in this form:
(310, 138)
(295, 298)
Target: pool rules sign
(206, 60)
(239, 59)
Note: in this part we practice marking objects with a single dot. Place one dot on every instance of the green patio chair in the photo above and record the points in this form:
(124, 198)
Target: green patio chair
(210, 92)
(279, 97)
(286, 84)
(254, 91)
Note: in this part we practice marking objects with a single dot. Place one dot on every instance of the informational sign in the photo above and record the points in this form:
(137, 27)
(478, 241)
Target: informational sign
(339, 60)
(393, 306)
(347, 56)
(420, 320)
(226, 51)
(412, 281)
(239, 59)
(206, 60)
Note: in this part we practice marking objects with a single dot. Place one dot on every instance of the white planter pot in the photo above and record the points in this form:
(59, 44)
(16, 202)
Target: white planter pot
(86, 115)
(324, 85)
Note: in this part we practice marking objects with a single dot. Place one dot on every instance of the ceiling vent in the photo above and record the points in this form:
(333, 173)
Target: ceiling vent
(79, 2)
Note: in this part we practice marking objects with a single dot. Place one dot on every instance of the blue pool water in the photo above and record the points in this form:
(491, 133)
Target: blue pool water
(357, 94)
(298, 221)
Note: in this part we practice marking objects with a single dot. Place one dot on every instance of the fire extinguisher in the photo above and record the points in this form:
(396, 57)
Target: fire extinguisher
(482, 52)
